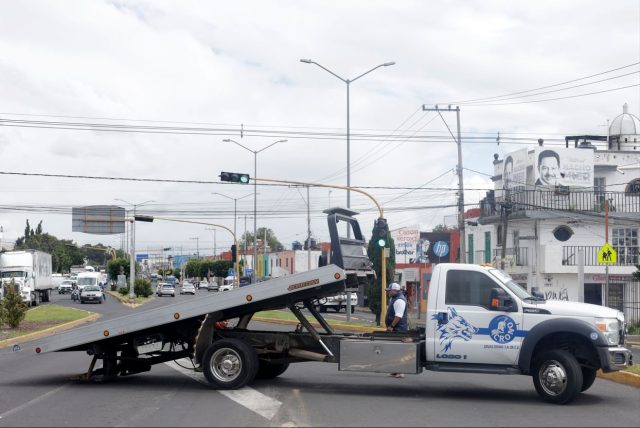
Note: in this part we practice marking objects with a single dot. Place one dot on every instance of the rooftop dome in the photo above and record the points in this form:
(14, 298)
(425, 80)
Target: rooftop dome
(625, 124)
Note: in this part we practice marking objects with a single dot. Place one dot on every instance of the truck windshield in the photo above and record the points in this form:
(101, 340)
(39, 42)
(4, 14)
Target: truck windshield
(13, 274)
(87, 281)
(515, 288)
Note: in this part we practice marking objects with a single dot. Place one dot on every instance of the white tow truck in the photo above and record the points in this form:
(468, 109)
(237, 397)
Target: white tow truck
(29, 271)
(477, 321)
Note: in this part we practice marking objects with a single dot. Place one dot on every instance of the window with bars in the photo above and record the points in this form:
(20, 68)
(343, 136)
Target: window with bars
(599, 187)
(625, 241)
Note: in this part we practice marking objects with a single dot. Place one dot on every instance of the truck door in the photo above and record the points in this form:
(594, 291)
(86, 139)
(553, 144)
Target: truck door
(467, 329)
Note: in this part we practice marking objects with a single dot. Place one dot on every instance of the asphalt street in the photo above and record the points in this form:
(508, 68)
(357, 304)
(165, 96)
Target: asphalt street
(36, 390)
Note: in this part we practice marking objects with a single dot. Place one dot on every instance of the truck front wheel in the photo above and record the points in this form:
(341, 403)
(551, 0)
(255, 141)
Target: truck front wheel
(230, 364)
(557, 376)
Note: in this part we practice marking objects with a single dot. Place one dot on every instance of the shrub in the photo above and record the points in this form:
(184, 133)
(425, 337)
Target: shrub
(143, 287)
(124, 291)
(14, 308)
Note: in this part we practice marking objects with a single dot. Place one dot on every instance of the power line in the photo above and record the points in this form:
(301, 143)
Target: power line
(561, 89)
(543, 87)
(554, 99)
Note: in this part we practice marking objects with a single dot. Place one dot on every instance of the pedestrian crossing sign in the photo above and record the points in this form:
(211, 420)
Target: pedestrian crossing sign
(607, 254)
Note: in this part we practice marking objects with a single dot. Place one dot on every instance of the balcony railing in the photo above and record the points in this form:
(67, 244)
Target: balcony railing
(561, 199)
(513, 256)
(627, 256)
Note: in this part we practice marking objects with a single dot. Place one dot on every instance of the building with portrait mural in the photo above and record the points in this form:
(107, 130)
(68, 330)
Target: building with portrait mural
(544, 222)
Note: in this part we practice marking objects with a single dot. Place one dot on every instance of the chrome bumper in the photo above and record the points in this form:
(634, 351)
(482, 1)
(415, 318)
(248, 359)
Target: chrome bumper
(615, 358)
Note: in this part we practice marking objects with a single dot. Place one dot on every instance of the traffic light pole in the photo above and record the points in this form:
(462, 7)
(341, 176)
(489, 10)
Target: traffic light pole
(152, 218)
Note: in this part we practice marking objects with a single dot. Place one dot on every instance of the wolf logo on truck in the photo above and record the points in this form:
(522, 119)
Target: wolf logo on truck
(455, 327)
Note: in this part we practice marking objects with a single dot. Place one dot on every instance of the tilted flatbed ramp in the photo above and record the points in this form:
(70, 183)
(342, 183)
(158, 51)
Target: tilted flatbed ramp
(272, 294)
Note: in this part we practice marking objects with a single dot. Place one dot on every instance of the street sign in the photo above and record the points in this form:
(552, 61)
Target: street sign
(141, 257)
(607, 254)
(98, 219)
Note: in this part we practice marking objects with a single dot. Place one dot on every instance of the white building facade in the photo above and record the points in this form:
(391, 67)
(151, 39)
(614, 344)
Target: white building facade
(545, 220)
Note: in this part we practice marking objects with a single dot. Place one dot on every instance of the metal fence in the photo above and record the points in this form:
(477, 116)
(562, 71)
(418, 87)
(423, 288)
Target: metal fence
(631, 302)
(519, 255)
(561, 199)
(627, 255)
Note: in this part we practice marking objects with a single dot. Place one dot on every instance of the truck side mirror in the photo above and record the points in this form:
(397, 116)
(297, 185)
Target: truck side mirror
(501, 301)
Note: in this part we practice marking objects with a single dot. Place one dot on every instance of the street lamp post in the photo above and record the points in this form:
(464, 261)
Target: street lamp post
(348, 83)
(132, 261)
(255, 198)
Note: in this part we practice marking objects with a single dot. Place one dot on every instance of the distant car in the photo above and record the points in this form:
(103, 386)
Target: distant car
(226, 287)
(212, 286)
(166, 289)
(65, 286)
(91, 293)
(188, 288)
(244, 280)
(203, 284)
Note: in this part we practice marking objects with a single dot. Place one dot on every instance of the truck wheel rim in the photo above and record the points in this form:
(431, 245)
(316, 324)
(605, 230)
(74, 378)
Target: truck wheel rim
(553, 378)
(226, 365)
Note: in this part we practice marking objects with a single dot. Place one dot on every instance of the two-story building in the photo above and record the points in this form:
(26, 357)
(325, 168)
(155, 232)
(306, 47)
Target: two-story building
(547, 217)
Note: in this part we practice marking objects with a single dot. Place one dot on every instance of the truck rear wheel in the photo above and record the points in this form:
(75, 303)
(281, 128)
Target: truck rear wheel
(230, 364)
(588, 377)
(557, 376)
(267, 370)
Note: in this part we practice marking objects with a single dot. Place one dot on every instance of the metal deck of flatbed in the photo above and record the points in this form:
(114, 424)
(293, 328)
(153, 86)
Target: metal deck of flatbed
(273, 294)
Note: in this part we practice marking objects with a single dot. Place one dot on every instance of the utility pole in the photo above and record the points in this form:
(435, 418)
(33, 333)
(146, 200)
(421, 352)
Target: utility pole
(463, 255)
(606, 240)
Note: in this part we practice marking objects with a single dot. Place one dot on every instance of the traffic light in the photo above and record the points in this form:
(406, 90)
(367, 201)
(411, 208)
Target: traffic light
(234, 177)
(234, 253)
(382, 230)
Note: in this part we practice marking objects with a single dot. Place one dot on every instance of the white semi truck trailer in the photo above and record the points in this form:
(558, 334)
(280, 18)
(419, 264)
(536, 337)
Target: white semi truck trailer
(29, 271)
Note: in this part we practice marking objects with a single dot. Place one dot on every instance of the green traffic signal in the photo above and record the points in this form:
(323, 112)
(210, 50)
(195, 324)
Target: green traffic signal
(382, 242)
(234, 177)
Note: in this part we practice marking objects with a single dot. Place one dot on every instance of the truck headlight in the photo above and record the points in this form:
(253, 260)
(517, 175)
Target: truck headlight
(610, 327)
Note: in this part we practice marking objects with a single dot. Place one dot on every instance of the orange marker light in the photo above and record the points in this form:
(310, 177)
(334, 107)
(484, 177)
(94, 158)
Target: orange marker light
(105, 333)
(176, 315)
(249, 297)
(337, 275)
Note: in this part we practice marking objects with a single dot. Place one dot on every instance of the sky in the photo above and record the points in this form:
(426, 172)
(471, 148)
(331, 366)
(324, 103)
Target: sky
(150, 89)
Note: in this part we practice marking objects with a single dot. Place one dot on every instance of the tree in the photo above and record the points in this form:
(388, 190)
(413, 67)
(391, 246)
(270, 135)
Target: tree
(113, 267)
(272, 241)
(374, 252)
(441, 228)
(14, 309)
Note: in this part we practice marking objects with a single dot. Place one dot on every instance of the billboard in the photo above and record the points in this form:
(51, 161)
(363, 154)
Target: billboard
(568, 167)
(514, 169)
(98, 219)
(405, 240)
(433, 247)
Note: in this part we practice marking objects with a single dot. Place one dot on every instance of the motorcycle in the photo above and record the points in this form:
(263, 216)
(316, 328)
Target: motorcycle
(75, 294)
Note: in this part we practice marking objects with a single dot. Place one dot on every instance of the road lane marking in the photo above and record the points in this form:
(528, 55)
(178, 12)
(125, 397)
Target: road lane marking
(250, 398)
(32, 402)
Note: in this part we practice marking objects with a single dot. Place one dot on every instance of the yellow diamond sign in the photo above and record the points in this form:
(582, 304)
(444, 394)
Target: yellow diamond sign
(607, 254)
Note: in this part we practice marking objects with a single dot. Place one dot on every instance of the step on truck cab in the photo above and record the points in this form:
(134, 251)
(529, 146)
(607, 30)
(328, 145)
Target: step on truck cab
(477, 321)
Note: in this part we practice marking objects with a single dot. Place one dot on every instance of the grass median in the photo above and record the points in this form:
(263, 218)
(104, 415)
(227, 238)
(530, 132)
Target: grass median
(43, 317)
(125, 299)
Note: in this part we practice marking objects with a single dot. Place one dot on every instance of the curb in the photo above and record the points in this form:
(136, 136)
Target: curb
(626, 378)
(49, 331)
(341, 327)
